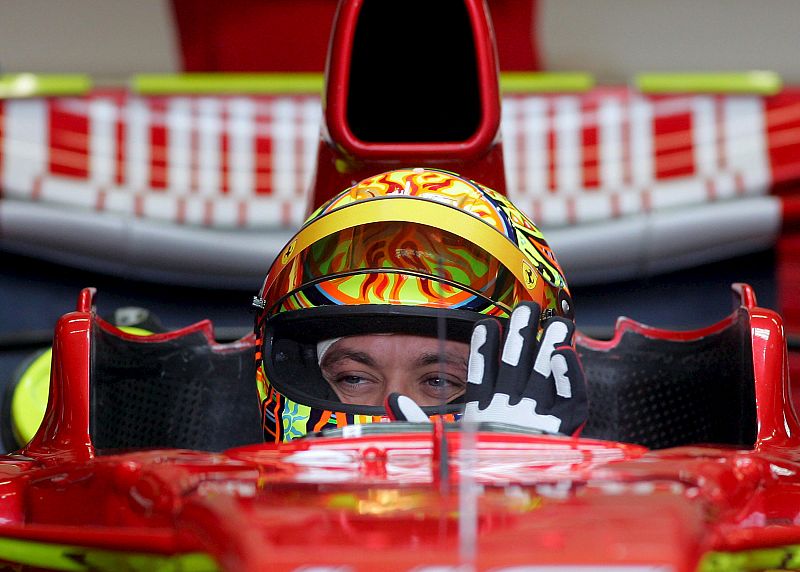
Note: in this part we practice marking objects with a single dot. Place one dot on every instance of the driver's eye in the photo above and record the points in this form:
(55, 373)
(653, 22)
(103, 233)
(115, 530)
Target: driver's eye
(443, 388)
(440, 382)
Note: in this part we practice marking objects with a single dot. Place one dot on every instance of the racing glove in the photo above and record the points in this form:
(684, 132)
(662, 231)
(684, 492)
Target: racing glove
(535, 383)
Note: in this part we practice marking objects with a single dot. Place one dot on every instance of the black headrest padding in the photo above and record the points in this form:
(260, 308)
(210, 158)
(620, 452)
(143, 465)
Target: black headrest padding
(664, 393)
(179, 393)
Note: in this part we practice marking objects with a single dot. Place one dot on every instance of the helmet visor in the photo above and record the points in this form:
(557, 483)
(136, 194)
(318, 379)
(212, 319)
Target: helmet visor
(395, 263)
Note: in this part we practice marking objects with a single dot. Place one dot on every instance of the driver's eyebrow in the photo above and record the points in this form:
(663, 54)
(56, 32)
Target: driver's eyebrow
(446, 357)
(335, 355)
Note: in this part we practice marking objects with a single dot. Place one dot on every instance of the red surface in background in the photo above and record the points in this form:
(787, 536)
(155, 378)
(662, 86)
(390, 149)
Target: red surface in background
(515, 27)
(673, 144)
(783, 122)
(68, 142)
(252, 35)
(292, 35)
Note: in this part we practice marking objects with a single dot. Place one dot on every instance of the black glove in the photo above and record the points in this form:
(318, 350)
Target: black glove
(401, 408)
(537, 384)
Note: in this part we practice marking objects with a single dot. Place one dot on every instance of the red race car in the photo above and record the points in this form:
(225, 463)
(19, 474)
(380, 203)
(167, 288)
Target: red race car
(125, 471)
(150, 454)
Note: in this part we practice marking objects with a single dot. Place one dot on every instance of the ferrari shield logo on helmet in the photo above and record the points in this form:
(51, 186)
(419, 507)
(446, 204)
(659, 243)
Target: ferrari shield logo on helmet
(529, 275)
(287, 252)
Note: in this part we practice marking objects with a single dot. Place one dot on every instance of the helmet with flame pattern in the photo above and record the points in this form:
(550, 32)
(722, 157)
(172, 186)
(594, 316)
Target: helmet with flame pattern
(414, 251)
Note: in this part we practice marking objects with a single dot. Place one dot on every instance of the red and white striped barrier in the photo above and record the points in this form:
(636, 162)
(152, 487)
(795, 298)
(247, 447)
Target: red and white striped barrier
(217, 162)
(597, 171)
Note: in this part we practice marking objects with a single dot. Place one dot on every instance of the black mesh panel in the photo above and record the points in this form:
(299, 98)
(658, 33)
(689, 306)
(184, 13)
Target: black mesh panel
(180, 393)
(662, 393)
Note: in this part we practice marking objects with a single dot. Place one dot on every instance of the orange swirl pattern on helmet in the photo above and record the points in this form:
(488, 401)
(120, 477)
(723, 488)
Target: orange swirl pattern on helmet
(412, 264)
(400, 263)
(435, 185)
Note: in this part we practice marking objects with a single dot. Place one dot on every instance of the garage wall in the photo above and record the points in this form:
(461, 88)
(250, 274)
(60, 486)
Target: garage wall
(105, 38)
(611, 38)
(615, 39)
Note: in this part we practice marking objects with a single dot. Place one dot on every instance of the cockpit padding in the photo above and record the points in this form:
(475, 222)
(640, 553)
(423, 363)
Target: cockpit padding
(181, 392)
(664, 393)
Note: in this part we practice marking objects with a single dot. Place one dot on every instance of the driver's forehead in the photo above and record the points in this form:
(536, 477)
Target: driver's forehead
(405, 349)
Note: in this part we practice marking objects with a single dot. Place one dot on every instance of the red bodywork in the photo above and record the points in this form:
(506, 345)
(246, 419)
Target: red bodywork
(344, 159)
(410, 499)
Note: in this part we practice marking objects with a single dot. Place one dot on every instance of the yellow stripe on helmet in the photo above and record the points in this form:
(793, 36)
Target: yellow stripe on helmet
(411, 210)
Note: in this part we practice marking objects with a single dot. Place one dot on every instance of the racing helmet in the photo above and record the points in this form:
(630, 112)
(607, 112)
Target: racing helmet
(413, 251)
